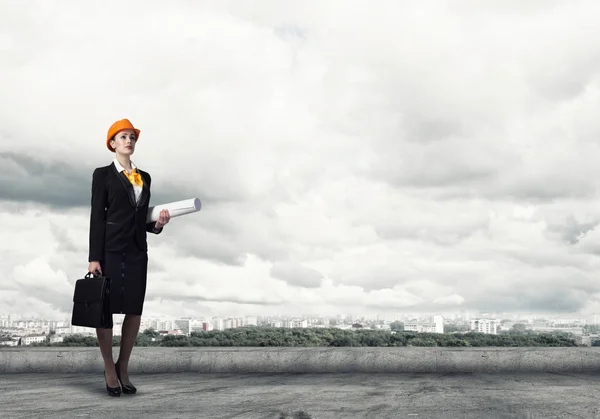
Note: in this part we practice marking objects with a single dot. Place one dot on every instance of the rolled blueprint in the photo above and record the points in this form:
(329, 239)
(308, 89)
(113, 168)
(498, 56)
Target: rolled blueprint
(176, 209)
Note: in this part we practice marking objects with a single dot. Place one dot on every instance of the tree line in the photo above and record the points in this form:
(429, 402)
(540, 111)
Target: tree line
(330, 337)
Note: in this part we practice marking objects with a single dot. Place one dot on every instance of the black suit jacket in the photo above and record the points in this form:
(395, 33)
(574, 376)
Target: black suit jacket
(116, 220)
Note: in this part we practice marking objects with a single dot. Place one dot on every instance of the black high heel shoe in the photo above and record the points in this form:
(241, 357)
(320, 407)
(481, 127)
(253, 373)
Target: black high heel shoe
(127, 388)
(112, 391)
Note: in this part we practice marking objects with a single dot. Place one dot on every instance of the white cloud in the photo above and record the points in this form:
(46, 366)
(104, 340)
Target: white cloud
(350, 156)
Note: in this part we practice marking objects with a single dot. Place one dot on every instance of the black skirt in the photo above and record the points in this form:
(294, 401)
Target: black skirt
(127, 272)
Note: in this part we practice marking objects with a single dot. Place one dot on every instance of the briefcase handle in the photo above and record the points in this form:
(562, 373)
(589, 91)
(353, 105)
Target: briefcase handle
(91, 275)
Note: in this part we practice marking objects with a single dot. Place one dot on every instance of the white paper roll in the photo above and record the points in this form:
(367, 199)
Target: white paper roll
(176, 209)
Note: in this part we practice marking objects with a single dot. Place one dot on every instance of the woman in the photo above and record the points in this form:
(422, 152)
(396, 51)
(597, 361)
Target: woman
(118, 248)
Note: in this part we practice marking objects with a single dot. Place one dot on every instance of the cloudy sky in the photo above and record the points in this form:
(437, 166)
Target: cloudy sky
(351, 156)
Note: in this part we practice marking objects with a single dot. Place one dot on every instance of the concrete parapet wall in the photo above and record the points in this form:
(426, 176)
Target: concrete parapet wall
(306, 360)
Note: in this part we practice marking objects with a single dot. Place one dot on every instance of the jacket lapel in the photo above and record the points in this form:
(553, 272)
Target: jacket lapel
(145, 189)
(127, 185)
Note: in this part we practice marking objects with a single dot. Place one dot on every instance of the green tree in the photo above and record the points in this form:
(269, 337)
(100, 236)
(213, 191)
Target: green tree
(451, 328)
(334, 337)
(150, 332)
(519, 327)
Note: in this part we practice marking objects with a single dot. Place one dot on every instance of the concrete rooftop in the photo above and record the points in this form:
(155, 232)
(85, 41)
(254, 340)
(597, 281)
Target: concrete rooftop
(316, 383)
(322, 396)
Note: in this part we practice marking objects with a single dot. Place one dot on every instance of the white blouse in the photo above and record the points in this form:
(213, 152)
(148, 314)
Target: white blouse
(136, 188)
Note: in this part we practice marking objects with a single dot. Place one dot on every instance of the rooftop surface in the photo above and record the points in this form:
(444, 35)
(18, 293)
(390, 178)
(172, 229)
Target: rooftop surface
(306, 383)
(276, 396)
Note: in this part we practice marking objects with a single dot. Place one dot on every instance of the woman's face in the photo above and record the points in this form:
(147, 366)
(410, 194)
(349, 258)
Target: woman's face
(124, 142)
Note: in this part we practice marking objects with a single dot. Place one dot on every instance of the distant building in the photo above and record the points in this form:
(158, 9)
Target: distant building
(383, 326)
(28, 340)
(185, 325)
(251, 321)
(594, 319)
(343, 326)
(296, 323)
(435, 325)
(11, 342)
(487, 326)
(175, 332)
(587, 340)
(218, 323)
(63, 330)
(56, 339)
(81, 330)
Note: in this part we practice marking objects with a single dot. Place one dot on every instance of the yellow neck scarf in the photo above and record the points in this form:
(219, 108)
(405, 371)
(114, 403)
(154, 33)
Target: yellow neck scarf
(135, 178)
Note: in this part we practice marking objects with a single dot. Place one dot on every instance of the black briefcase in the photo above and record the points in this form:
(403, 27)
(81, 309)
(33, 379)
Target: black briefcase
(91, 302)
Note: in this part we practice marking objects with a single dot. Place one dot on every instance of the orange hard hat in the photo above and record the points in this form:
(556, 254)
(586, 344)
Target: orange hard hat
(118, 126)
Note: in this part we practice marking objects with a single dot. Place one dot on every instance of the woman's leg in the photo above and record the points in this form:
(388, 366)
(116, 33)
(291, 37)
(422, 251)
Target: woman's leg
(129, 332)
(105, 337)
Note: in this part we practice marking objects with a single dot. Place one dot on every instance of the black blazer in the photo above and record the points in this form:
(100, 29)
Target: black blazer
(115, 219)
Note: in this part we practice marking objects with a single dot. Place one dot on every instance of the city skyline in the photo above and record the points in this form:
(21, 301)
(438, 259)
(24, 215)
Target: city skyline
(15, 330)
(378, 158)
(345, 317)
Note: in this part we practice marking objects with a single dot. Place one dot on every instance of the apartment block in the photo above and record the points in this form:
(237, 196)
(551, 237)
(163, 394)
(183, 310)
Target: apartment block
(434, 325)
(488, 326)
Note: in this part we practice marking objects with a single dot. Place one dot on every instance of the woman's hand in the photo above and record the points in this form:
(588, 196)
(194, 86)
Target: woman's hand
(163, 219)
(94, 267)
